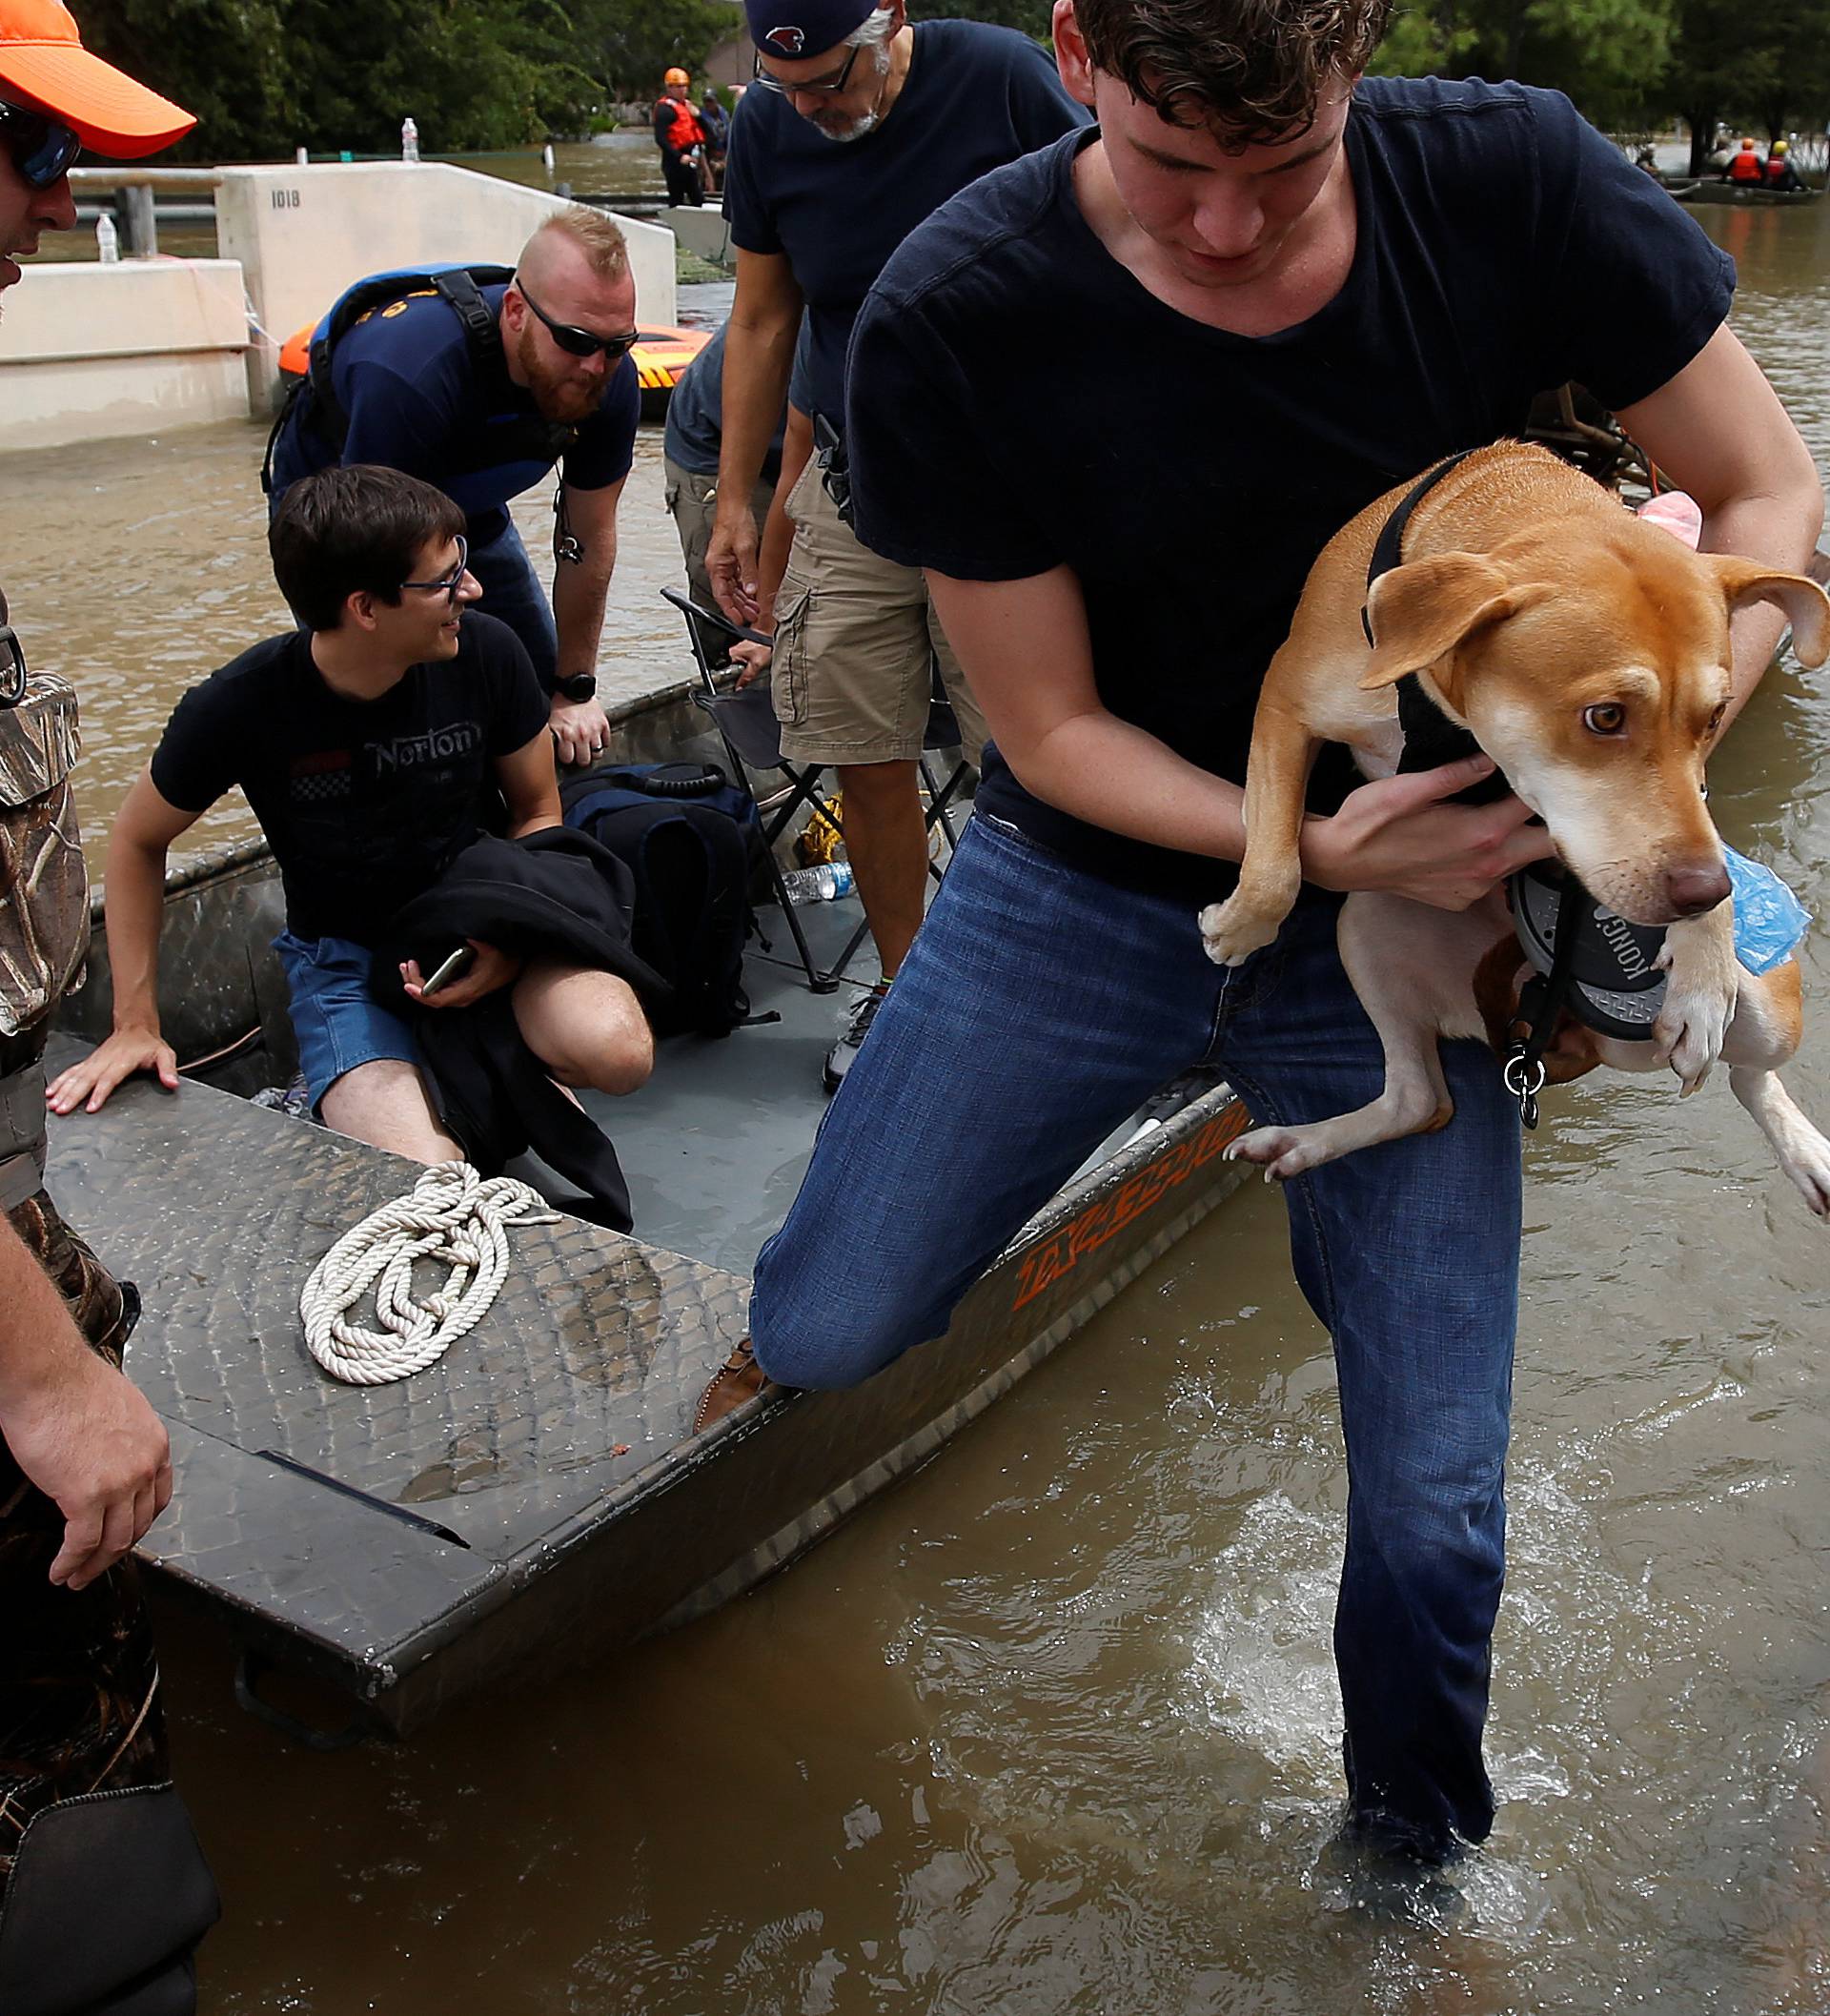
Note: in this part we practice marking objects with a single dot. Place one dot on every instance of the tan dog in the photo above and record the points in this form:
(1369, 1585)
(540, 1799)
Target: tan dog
(1588, 654)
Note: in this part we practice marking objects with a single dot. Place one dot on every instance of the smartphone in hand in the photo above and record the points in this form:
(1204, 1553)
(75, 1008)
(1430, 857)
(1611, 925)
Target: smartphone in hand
(449, 969)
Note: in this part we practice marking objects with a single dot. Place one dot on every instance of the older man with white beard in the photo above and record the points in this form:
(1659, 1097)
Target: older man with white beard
(860, 126)
(485, 417)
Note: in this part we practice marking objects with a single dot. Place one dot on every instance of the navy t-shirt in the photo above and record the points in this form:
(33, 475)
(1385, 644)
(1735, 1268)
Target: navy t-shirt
(974, 98)
(419, 402)
(363, 801)
(1020, 402)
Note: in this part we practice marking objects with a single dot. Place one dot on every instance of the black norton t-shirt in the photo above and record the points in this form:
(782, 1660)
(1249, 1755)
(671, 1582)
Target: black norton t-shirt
(362, 801)
(1018, 401)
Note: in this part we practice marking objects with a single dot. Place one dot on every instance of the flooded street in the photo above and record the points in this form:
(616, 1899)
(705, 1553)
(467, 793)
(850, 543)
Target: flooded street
(1052, 1728)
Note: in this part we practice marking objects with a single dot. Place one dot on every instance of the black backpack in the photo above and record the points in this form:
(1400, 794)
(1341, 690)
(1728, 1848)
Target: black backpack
(461, 289)
(692, 840)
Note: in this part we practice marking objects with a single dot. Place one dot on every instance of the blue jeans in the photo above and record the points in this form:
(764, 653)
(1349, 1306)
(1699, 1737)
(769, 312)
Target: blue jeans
(511, 592)
(338, 1023)
(1044, 1006)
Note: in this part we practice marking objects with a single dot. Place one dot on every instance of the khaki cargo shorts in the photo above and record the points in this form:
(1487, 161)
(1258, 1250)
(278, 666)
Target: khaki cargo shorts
(853, 632)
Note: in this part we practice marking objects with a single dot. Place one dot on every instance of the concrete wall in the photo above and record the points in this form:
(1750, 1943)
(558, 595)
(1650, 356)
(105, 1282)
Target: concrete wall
(89, 352)
(303, 234)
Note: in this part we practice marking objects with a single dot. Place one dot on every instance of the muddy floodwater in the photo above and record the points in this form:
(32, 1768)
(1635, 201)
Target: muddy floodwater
(1053, 1728)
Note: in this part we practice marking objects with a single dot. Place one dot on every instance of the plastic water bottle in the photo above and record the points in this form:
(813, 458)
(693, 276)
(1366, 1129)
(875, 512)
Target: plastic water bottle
(108, 240)
(409, 140)
(825, 884)
(546, 157)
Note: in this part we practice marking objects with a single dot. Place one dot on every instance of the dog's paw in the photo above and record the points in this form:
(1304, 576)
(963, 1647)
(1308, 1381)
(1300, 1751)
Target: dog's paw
(1280, 1152)
(1691, 1026)
(1231, 932)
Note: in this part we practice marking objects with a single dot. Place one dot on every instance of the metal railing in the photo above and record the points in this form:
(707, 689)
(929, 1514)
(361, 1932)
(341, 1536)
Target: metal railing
(129, 193)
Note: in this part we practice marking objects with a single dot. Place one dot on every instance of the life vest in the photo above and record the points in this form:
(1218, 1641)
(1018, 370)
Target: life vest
(527, 438)
(683, 129)
(1778, 169)
(1745, 168)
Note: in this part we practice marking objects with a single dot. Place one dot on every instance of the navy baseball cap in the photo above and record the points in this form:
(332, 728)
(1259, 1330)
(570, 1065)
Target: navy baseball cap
(794, 30)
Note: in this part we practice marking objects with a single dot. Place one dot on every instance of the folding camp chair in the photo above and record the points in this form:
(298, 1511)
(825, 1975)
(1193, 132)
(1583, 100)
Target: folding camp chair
(752, 736)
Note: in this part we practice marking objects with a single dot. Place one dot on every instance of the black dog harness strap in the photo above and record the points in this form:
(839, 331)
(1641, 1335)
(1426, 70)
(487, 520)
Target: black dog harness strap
(1431, 739)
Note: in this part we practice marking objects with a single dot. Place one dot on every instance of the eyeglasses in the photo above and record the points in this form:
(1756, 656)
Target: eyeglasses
(581, 343)
(42, 149)
(820, 88)
(450, 582)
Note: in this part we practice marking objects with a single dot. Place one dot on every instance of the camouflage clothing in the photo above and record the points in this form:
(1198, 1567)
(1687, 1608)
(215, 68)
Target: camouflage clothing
(79, 1681)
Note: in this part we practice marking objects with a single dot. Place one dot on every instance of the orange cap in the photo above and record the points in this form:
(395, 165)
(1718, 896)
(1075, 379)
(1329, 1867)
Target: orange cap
(43, 61)
(676, 77)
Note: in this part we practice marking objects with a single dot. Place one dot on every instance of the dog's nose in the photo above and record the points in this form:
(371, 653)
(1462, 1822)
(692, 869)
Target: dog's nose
(1692, 890)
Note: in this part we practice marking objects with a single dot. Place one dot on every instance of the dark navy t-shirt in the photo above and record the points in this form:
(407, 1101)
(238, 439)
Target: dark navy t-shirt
(417, 401)
(1019, 400)
(975, 97)
(363, 801)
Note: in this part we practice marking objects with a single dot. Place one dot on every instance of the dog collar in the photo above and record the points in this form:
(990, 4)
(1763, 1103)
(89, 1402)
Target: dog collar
(1604, 970)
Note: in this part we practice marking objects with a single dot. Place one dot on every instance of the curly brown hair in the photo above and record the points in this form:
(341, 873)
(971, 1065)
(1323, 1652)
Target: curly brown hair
(1251, 71)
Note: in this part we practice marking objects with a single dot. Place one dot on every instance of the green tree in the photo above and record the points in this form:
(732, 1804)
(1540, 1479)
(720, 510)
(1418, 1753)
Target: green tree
(1033, 17)
(1609, 56)
(634, 42)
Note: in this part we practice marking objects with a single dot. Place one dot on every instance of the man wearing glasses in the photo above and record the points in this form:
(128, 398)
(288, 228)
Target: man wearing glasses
(860, 126)
(484, 423)
(373, 743)
(85, 1463)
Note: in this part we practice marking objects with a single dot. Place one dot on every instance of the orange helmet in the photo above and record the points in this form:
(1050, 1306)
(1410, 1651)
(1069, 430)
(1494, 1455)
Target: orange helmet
(676, 77)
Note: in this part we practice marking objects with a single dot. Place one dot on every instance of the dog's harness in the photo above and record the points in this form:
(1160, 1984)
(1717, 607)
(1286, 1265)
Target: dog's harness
(1586, 959)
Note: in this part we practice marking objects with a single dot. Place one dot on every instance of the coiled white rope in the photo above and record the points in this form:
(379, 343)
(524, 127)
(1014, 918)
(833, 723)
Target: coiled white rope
(452, 1215)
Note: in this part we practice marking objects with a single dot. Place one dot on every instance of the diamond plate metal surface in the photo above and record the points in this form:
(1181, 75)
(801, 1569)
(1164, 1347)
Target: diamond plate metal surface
(219, 1209)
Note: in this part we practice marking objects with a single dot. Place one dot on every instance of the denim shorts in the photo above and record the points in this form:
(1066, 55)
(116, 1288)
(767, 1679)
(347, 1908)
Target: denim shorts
(338, 1023)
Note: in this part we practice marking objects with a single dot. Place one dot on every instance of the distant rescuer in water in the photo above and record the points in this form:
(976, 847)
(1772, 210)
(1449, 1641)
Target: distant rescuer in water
(419, 400)
(1355, 280)
(85, 1463)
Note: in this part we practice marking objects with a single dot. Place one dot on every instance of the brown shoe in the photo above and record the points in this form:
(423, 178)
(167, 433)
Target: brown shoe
(738, 1380)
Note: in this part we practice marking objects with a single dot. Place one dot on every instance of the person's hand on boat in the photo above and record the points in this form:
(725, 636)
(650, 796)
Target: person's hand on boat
(88, 1438)
(1402, 836)
(89, 1082)
(490, 969)
(581, 728)
(752, 660)
(731, 565)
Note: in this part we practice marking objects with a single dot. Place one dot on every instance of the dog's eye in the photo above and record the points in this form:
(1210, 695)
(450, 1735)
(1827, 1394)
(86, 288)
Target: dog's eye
(1607, 717)
(1716, 720)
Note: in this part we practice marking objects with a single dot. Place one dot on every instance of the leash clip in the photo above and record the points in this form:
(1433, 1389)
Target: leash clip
(1523, 1076)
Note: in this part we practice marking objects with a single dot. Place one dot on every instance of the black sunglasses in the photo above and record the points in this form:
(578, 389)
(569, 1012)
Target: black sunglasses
(43, 150)
(823, 88)
(581, 343)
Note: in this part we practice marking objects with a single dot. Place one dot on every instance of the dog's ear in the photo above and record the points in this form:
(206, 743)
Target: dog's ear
(1806, 605)
(1420, 611)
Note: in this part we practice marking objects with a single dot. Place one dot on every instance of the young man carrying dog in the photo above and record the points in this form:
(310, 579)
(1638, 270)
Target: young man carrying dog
(1337, 284)
(373, 743)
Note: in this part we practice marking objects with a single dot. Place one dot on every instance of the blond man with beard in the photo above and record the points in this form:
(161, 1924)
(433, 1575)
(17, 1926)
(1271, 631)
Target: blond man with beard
(485, 420)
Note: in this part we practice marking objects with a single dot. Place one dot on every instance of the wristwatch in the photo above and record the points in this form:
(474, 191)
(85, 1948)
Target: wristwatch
(576, 686)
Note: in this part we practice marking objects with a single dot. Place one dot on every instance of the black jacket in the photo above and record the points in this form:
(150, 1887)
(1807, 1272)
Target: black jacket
(557, 894)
